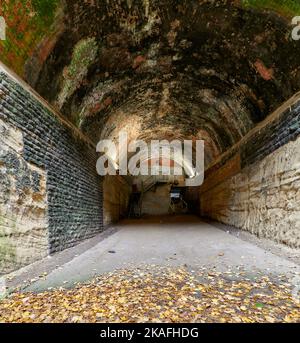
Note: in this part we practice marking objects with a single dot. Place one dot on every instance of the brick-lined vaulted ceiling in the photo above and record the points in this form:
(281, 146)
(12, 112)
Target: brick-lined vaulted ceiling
(163, 69)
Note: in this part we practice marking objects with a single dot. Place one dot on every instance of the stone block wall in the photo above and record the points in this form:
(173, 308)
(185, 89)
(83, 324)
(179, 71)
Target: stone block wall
(50, 194)
(116, 193)
(256, 186)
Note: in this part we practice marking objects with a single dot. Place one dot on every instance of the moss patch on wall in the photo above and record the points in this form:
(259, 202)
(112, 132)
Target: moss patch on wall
(84, 54)
(45, 10)
(28, 21)
(287, 8)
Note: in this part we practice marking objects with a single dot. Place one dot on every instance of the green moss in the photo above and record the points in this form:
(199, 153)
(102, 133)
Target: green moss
(45, 9)
(29, 21)
(288, 8)
(84, 55)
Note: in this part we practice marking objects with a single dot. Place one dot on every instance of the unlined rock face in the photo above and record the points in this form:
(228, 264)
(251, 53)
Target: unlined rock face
(263, 199)
(194, 69)
(23, 204)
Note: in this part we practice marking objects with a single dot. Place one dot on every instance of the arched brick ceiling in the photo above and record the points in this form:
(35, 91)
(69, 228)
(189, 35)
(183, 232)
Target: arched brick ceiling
(168, 69)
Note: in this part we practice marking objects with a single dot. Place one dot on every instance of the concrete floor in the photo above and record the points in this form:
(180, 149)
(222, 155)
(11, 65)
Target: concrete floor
(168, 241)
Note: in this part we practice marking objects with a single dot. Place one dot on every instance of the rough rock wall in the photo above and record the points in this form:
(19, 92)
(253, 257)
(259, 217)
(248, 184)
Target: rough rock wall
(185, 69)
(263, 199)
(116, 194)
(258, 187)
(51, 195)
(23, 204)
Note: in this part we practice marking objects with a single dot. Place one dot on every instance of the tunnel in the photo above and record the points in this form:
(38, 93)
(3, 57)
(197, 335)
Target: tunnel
(76, 72)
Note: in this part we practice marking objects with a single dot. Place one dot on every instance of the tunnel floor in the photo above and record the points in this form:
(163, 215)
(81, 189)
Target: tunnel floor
(173, 241)
(158, 269)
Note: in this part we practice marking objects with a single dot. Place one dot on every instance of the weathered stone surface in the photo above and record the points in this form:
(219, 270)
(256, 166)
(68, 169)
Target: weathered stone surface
(51, 195)
(263, 198)
(116, 193)
(276, 133)
(182, 69)
(23, 204)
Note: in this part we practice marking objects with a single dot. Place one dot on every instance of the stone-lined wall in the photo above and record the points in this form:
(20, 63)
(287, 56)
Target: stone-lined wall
(116, 193)
(50, 195)
(256, 186)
